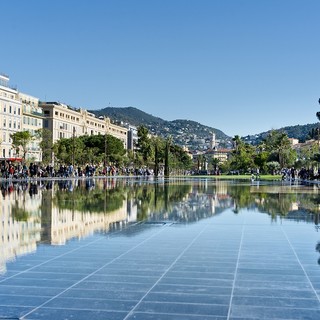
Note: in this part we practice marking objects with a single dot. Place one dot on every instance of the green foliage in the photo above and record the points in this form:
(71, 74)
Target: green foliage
(261, 160)
(273, 166)
(144, 144)
(242, 158)
(300, 132)
(271, 203)
(20, 140)
(157, 199)
(181, 159)
(93, 201)
(18, 213)
(278, 145)
(153, 151)
(89, 149)
(46, 144)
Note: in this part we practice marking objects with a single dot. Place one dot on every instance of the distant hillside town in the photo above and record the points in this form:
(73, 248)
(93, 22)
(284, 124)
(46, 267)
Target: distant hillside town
(24, 112)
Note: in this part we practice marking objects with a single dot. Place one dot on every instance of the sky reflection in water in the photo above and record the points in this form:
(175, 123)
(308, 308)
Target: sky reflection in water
(140, 249)
(55, 211)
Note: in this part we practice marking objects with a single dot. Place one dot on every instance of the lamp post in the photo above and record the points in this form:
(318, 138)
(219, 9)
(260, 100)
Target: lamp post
(106, 145)
(73, 145)
(105, 150)
(318, 116)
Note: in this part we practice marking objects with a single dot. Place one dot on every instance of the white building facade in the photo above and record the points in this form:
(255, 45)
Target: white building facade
(10, 118)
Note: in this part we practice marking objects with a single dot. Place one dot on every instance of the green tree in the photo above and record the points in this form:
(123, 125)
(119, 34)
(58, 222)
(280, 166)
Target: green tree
(279, 146)
(215, 163)
(91, 149)
(242, 158)
(20, 141)
(70, 150)
(144, 144)
(166, 158)
(46, 145)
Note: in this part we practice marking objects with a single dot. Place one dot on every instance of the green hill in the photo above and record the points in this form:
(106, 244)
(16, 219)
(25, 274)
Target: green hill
(300, 132)
(188, 133)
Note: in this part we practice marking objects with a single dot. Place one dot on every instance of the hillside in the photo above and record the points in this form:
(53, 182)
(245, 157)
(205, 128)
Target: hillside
(300, 132)
(187, 133)
(129, 115)
(190, 133)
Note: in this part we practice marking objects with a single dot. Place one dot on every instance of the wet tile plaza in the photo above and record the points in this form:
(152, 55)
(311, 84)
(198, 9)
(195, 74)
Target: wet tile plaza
(135, 249)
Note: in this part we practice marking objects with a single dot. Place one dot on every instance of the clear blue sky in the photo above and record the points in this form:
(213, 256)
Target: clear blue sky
(241, 66)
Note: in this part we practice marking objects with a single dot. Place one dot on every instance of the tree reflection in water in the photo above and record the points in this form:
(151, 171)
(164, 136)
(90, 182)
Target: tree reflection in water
(76, 205)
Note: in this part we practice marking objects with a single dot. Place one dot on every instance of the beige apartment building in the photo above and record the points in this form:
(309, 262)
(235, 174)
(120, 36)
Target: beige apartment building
(18, 112)
(32, 121)
(65, 122)
(10, 117)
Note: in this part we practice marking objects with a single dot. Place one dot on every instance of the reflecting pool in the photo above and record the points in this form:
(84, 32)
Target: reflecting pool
(117, 248)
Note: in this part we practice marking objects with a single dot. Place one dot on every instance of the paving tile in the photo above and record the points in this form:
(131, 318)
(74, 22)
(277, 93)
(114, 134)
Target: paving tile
(196, 289)
(188, 298)
(13, 312)
(91, 304)
(103, 294)
(275, 302)
(275, 313)
(22, 301)
(64, 314)
(165, 316)
(183, 308)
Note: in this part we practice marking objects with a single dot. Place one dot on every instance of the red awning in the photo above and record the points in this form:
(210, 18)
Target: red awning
(11, 159)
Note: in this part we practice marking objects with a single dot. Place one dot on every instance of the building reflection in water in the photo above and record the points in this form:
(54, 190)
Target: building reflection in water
(53, 212)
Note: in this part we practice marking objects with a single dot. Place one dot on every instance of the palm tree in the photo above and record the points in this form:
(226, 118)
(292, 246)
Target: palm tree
(237, 141)
(215, 162)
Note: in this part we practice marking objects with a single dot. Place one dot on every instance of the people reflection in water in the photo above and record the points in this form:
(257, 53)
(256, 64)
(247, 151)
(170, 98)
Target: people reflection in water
(318, 249)
(33, 189)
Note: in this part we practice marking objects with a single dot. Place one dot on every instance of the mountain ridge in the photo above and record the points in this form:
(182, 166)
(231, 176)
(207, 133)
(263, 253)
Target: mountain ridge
(190, 133)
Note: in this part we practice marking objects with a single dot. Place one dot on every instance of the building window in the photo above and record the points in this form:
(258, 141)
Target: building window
(46, 123)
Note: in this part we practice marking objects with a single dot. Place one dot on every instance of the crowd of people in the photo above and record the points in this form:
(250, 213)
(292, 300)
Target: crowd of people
(11, 170)
(303, 174)
(17, 170)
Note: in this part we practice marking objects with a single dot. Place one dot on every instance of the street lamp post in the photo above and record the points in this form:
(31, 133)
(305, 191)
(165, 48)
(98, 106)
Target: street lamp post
(106, 146)
(73, 145)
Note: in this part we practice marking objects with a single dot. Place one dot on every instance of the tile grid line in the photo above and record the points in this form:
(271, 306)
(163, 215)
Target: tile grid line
(303, 269)
(92, 273)
(235, 273)
(57, 257)
(165, 272)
